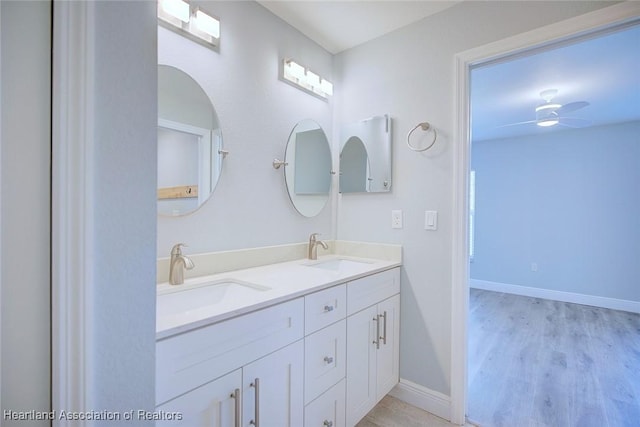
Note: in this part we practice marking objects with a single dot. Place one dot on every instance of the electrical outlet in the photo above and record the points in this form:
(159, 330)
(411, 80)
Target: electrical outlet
(396, 219)
(534, 266)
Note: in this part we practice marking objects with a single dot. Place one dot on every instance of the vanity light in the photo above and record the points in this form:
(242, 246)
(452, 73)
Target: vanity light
(173, 11)
(313, 79)
(306, 79)
(327, 87)
(191, 22)
(207, 24)
(293, 71)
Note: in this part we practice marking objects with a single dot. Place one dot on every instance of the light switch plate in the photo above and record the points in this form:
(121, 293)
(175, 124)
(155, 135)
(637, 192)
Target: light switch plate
(396, 219)
(430, 220)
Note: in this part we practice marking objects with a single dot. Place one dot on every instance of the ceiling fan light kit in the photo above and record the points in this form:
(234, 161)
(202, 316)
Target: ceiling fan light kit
(552, 113)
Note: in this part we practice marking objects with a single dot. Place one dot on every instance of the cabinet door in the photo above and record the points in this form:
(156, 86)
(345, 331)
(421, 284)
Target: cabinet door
(214, 404)
(273, 389)
(389, 352)
(361, 364)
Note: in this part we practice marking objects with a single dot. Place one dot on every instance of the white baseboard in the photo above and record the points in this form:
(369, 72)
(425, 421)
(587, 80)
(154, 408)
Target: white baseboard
(593, 300)
(431, 401)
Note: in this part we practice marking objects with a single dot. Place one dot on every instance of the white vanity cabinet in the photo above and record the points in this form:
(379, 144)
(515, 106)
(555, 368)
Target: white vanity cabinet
(272, 389)
(373, 350)
(215, 404)
(210, 373)
(322, 360)
(325, 357)
(264, 393)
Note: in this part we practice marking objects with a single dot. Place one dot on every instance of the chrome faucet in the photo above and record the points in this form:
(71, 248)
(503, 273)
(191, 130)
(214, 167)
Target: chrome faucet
(313, 245)
(177, 265)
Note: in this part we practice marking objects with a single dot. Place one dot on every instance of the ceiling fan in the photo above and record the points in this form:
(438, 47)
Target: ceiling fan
(551, 113)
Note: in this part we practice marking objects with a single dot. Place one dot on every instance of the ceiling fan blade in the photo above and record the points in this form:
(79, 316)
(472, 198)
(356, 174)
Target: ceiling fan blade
(516, 124)
(572, 106)
(574, 122)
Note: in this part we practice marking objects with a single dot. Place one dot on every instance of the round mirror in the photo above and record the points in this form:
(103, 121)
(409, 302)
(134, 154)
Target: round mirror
(354, 167)
(308, 168)
(190, 151)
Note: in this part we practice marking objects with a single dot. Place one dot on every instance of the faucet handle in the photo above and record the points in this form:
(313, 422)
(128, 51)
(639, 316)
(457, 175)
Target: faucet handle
(312, 237)
(175, 250)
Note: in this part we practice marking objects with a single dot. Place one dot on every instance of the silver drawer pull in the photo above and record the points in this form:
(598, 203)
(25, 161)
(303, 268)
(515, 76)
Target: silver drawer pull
(377, 340)
(328, 308)
(384, 329)
(236, 395)
(256, 420)
(327, 423)
(328, 359)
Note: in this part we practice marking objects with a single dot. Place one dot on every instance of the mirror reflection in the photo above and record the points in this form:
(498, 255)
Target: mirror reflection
(354, 167)
(365, 158)
(308, 168)
(189, 143)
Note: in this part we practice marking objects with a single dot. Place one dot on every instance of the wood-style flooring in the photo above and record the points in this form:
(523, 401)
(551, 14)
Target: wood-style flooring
(391, 412)
(535, 362)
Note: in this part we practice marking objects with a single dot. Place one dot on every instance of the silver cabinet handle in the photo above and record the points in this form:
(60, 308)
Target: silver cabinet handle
(384, 329)
(327, 423)
(236, 395)
(328, 308)
(377, 340)
(256, 420)
(328, 359)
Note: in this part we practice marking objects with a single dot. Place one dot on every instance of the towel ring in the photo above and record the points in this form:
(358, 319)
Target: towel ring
(425, 126)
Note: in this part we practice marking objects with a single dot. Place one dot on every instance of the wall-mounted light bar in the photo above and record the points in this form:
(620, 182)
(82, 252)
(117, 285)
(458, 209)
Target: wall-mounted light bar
(306, 79)
(190, 21)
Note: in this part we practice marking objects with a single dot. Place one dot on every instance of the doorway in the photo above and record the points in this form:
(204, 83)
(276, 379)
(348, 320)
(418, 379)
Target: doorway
(569, 30)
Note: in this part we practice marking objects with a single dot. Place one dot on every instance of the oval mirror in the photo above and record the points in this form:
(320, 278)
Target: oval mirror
(308, 168)
(190, 151)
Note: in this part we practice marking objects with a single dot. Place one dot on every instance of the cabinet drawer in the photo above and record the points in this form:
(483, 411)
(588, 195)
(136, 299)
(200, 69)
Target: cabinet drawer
(186, 361)
(324, 308)
(325, 359)
(364, 292)
(328, 409)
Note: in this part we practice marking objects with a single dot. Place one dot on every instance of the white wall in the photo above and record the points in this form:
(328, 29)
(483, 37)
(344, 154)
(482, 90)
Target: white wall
(124, 206)
(25, 178)
(567, 201)
(410, 75)
(250, 206)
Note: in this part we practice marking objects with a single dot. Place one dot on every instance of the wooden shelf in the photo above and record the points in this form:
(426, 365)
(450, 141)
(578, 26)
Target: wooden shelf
(179, 192)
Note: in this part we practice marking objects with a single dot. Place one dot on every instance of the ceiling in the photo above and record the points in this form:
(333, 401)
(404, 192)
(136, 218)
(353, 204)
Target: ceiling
(603, 71)
(341, 25)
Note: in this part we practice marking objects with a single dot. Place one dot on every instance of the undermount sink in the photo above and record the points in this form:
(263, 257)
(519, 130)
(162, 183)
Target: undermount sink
(205, 294)
(336, 264)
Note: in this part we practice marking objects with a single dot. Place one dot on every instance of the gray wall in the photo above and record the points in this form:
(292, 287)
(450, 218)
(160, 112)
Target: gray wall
(25, 177)
(124, 222)
(568, 202)
(250, 206)
(410, 75)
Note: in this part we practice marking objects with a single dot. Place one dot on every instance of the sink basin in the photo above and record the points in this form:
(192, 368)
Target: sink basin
(337, 264)
(205, 294)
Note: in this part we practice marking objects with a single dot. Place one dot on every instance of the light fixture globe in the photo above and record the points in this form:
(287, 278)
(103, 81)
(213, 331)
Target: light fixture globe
(546, 118)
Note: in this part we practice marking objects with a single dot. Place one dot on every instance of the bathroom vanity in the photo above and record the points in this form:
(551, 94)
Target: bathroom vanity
(297, 343)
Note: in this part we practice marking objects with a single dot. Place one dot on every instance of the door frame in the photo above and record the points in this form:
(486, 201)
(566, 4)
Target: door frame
(599, 20)
(72, 208)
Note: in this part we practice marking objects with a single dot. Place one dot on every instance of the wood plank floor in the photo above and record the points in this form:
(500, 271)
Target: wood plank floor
(391, 412)
(535, 362)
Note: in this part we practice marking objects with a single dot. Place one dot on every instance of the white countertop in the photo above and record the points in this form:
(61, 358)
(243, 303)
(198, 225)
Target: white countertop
(285, 280)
